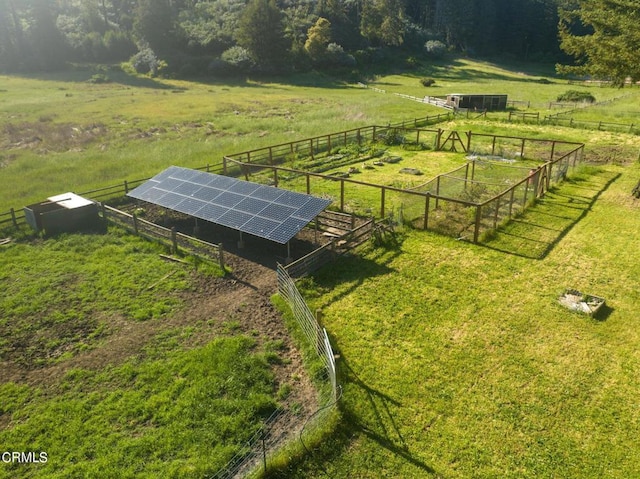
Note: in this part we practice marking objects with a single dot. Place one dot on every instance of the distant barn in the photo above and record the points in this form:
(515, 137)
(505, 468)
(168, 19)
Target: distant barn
(477, 102)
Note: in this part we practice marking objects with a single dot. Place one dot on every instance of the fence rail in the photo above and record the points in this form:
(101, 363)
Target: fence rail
(176, 241)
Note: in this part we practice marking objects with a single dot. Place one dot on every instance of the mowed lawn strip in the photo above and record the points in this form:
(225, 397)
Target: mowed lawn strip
(457, 360)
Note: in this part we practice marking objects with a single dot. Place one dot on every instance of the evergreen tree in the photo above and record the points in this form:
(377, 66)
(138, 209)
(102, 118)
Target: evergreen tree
(382, 22)
(154, 24)
(604, 39)
(260, 31)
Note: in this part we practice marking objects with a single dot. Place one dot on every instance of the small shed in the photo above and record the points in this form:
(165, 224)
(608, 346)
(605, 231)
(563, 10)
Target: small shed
(477, 102)
(63, 213)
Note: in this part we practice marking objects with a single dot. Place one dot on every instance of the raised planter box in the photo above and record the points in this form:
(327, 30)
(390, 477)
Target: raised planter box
(581, 302)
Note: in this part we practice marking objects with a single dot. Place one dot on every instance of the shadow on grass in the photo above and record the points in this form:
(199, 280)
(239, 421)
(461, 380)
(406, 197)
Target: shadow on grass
(384, 431)
(543, 226)
(353, 270)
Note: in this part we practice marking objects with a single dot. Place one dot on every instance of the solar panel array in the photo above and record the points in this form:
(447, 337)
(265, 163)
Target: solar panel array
(264, 211)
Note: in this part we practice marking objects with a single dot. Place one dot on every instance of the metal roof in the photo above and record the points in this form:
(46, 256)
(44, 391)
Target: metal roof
(264, 211)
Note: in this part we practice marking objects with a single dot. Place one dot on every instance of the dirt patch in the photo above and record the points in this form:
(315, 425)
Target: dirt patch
(238, 303)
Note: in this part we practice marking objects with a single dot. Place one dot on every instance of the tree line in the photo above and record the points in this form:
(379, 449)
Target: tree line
(229, 36)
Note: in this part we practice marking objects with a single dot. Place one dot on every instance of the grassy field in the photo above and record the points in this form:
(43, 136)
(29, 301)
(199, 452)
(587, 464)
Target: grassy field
(61, 133)
(455, 359)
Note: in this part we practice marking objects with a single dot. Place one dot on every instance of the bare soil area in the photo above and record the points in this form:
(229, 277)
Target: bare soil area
(237, 303)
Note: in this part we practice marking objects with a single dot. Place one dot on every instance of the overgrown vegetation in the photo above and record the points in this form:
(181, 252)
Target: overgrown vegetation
(576, 96)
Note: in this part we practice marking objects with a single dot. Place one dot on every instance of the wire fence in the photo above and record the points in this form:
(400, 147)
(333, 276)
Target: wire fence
(286, 425)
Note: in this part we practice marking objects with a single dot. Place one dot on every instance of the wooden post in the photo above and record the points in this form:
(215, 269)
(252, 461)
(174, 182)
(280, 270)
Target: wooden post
(126, 187)
(495, 216)
(382, 198)
(476, 233)
(270, 155)
(511, 202)
(135, 223)
(221, 257)
(374, 133)
(174, 241)
(426, 211)
(13, 218)
(342, 195)
(308, 184)
(328, 143)
(437, 191)
(553, 150)
(466, 176)
(224, 165)
(493, 146)
(275, 177)
(469, 140)
(522, 149)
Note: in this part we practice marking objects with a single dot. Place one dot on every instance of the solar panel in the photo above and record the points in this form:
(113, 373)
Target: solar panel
(260, 210)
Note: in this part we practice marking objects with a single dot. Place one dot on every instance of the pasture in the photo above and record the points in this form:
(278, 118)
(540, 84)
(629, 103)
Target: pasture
(455, 359)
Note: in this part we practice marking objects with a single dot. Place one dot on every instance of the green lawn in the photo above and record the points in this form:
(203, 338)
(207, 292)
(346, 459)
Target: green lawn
(457, 360)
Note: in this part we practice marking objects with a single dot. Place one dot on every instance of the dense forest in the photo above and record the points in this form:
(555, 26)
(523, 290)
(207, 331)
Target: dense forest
(217, 37)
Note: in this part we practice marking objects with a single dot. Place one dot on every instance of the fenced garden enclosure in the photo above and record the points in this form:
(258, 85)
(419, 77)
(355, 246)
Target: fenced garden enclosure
(502, 176)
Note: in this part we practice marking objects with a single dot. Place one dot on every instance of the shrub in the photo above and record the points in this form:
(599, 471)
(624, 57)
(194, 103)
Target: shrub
(336, 56)
(238, 58)
(435, 48)
(576, 96)
(99, 78)
(146, 61)
(427, 81)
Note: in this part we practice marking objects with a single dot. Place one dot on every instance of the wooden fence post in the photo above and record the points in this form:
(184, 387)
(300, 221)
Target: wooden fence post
(342, 195)
(126, 187)
(13, 218)
(174, 241)
(135, 223)
(426, 211)
(476, 233)
(382, 198)
(221, 256)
